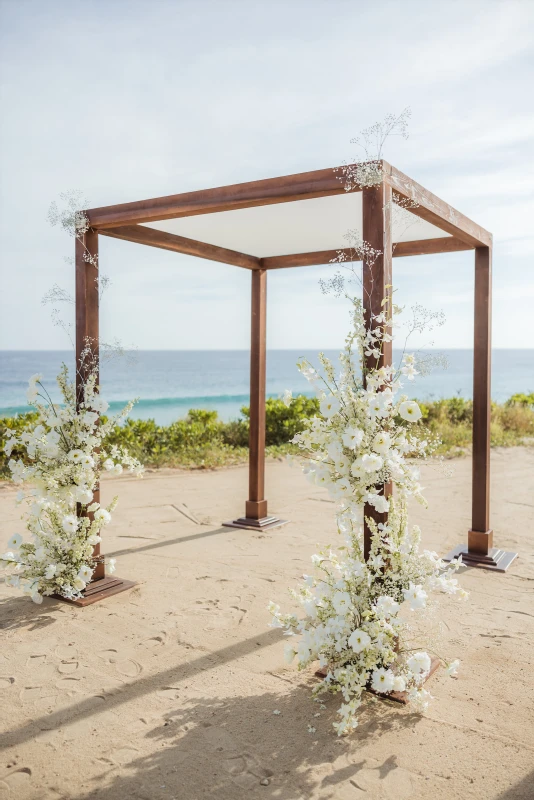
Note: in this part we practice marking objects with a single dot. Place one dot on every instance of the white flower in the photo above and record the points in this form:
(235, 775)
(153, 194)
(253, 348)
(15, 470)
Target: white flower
(386, 606)
(329, 406)
(289, 652)
(90, 418)
(378, 501)
(117, 469)
(452, 668)
(78, 584)
(85, 573)
(409, 372)
(419, 663)
(76, 456)
(69, 523)
(8, 556)
(371, 462)
(419, 699)
(83, 495)
(32, 390)
(37, 598)
(341, 602)
(382, 680)
(111, 565)
(287, 397)
(50, 571)
(15, 541)
(352, 438)
(359, 640)
(276, 712)
(382, 443)
(99, 404)
(87, 461)
(399, 684)
(103, 515)
(108, 464)
(416, 596)
(410, 411)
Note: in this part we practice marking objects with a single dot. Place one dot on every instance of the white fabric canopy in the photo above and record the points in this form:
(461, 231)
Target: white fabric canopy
(303, 226)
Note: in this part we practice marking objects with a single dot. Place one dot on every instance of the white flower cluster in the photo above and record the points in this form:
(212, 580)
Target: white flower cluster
(363, 438)
(64, 457)
(354, 606)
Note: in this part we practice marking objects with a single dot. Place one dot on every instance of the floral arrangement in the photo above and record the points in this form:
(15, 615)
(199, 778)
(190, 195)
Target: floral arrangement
(356, 603)
(65, 455)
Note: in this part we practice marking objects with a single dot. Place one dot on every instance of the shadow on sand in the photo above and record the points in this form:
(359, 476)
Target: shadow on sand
(239, 747)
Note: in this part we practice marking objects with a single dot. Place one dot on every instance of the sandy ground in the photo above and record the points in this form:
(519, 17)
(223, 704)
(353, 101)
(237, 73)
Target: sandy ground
(168, 691)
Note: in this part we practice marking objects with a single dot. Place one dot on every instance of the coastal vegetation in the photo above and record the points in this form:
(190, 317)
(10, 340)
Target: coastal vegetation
(203, 441)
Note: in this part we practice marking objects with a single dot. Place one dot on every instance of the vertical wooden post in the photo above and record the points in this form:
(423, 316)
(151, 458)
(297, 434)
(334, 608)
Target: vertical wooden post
(480, 537)
(87, 356)
(376, 278)
(87, 333)
(480, 551)
(256, 506)
(256, 515)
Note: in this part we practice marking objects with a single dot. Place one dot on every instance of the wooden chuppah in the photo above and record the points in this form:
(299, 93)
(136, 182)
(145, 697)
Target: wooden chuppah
(447, 231)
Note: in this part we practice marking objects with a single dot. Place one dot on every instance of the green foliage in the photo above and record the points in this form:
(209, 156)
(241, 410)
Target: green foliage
(202, 440)
(521, 400)
(283, 422)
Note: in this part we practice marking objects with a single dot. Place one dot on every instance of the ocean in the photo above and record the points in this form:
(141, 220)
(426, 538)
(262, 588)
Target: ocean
(170, 382)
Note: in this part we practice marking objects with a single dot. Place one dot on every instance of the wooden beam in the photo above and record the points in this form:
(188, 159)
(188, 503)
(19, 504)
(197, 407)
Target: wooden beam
(256, 507)
(444, 244)
(303, 186)
(87, 336)
(432, 209)
(481, 537)
(377, 279)
(429, 247)
(180, 244)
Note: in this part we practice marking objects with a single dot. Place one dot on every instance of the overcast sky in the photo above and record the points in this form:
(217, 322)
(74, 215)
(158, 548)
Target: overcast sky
(127, 100)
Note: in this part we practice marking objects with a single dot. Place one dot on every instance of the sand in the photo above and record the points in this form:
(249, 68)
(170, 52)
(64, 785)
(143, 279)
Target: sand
(169, 690)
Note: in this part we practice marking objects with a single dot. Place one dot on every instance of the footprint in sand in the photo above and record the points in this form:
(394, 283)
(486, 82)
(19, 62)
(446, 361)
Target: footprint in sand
(66, 667)
(123, 755)
(109, 656)
(245, 771)
(70, 685)
(41, 697)
(169, 693)
(243, 768)
(128, 667)
(6, 683)
(36, 661)
(156, 641)
(66, 652)
(16, 783)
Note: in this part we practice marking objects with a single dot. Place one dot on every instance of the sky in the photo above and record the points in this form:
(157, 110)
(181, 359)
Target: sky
(125, 100)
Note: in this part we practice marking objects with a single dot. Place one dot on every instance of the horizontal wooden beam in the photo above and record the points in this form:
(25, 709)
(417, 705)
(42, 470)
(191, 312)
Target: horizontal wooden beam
(445, 244)
(432, 209)
(180, 244)
(303, 186)
(428, 247)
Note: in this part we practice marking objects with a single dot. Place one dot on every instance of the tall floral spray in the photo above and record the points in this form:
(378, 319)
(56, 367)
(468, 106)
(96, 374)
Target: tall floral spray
(61, 456)
(361, 600)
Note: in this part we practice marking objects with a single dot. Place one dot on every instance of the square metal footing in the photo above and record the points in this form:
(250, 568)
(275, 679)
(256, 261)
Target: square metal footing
(397, 697)
(99, 590)
(266, 523)
(496, 560)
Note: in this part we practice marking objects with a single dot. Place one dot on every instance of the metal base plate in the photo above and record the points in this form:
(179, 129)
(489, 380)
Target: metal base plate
(99, 590)
(496, 560)
(397, 697)
(266, 523)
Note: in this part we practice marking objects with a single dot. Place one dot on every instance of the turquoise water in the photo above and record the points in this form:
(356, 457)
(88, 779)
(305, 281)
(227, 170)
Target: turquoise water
(170, 382)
